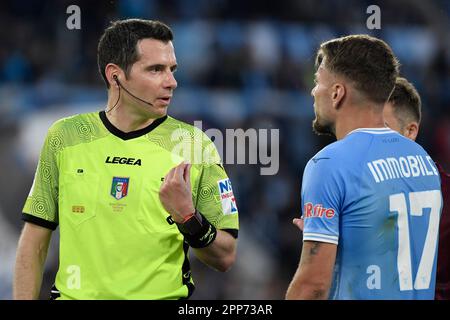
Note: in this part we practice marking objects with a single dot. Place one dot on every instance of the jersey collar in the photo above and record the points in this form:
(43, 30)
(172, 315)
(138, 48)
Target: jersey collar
(133, 134)
(384, 130)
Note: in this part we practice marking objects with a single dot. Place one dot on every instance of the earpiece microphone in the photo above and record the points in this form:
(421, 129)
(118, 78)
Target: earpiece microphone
(118, 98)
(121, 86)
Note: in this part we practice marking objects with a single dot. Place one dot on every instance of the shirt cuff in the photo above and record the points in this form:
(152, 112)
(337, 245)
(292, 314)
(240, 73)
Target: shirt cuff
(320, 237)
(39, 221)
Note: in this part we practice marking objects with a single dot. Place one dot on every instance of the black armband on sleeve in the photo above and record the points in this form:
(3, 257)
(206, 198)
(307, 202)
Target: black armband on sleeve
(39, 221)
(198, 232)
(232, 232)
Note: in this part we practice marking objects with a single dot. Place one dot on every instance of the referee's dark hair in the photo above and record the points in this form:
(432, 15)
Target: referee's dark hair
(406, 102)
(366, 61)
(118, 43)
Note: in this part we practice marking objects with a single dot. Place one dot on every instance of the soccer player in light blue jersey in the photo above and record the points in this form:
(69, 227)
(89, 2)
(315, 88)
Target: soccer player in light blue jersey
(372, 200)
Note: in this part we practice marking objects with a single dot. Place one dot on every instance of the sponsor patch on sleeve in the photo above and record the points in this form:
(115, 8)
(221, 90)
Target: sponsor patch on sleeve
(311, 210)
(227, 197)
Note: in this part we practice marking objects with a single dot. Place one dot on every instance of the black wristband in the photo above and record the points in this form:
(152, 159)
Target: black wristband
(205, 232)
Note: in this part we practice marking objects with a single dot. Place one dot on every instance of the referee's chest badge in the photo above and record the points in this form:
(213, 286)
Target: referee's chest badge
(119, 188)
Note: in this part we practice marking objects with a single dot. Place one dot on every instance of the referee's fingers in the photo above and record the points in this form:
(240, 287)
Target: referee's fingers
(178, 172)
(187, 173)
(170, 174)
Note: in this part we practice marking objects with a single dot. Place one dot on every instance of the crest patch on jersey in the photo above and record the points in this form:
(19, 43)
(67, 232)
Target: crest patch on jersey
(227, 197)
(119, 188)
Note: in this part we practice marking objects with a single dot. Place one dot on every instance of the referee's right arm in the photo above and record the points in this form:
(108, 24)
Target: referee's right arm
(30, 261)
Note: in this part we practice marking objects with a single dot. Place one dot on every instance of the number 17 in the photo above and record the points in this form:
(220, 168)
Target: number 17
(418, 201)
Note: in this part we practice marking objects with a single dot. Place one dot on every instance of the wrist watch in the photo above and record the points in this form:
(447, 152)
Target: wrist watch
(192, 224)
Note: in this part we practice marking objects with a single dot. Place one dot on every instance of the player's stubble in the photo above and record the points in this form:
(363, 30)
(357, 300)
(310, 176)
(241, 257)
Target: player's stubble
(322, 127)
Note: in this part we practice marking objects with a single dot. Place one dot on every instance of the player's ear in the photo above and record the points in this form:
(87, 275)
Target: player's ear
(412, 130)
(337, 95)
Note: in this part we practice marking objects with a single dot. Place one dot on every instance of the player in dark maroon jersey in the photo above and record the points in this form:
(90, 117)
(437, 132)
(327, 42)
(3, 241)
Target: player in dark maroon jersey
(402, 113)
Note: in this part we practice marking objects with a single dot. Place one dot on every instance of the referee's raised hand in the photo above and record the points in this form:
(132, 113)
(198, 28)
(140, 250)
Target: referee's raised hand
(175, 193)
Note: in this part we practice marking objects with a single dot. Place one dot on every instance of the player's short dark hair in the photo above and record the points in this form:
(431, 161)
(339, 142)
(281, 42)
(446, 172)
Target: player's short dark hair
(406, 102)
(366, 61)
(118, 44)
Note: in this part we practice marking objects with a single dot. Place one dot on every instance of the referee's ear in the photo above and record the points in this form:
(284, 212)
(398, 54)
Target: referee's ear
(112, 72)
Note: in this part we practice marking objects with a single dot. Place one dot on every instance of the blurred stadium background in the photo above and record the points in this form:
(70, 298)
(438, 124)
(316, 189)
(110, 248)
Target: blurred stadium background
(242, 64)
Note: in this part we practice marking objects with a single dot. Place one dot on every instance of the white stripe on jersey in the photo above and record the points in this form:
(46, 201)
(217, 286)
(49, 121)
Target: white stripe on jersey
(374, 130)
(320, 237)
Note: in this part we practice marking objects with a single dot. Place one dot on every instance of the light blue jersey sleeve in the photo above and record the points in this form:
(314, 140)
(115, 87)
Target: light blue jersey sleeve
(321, 200)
